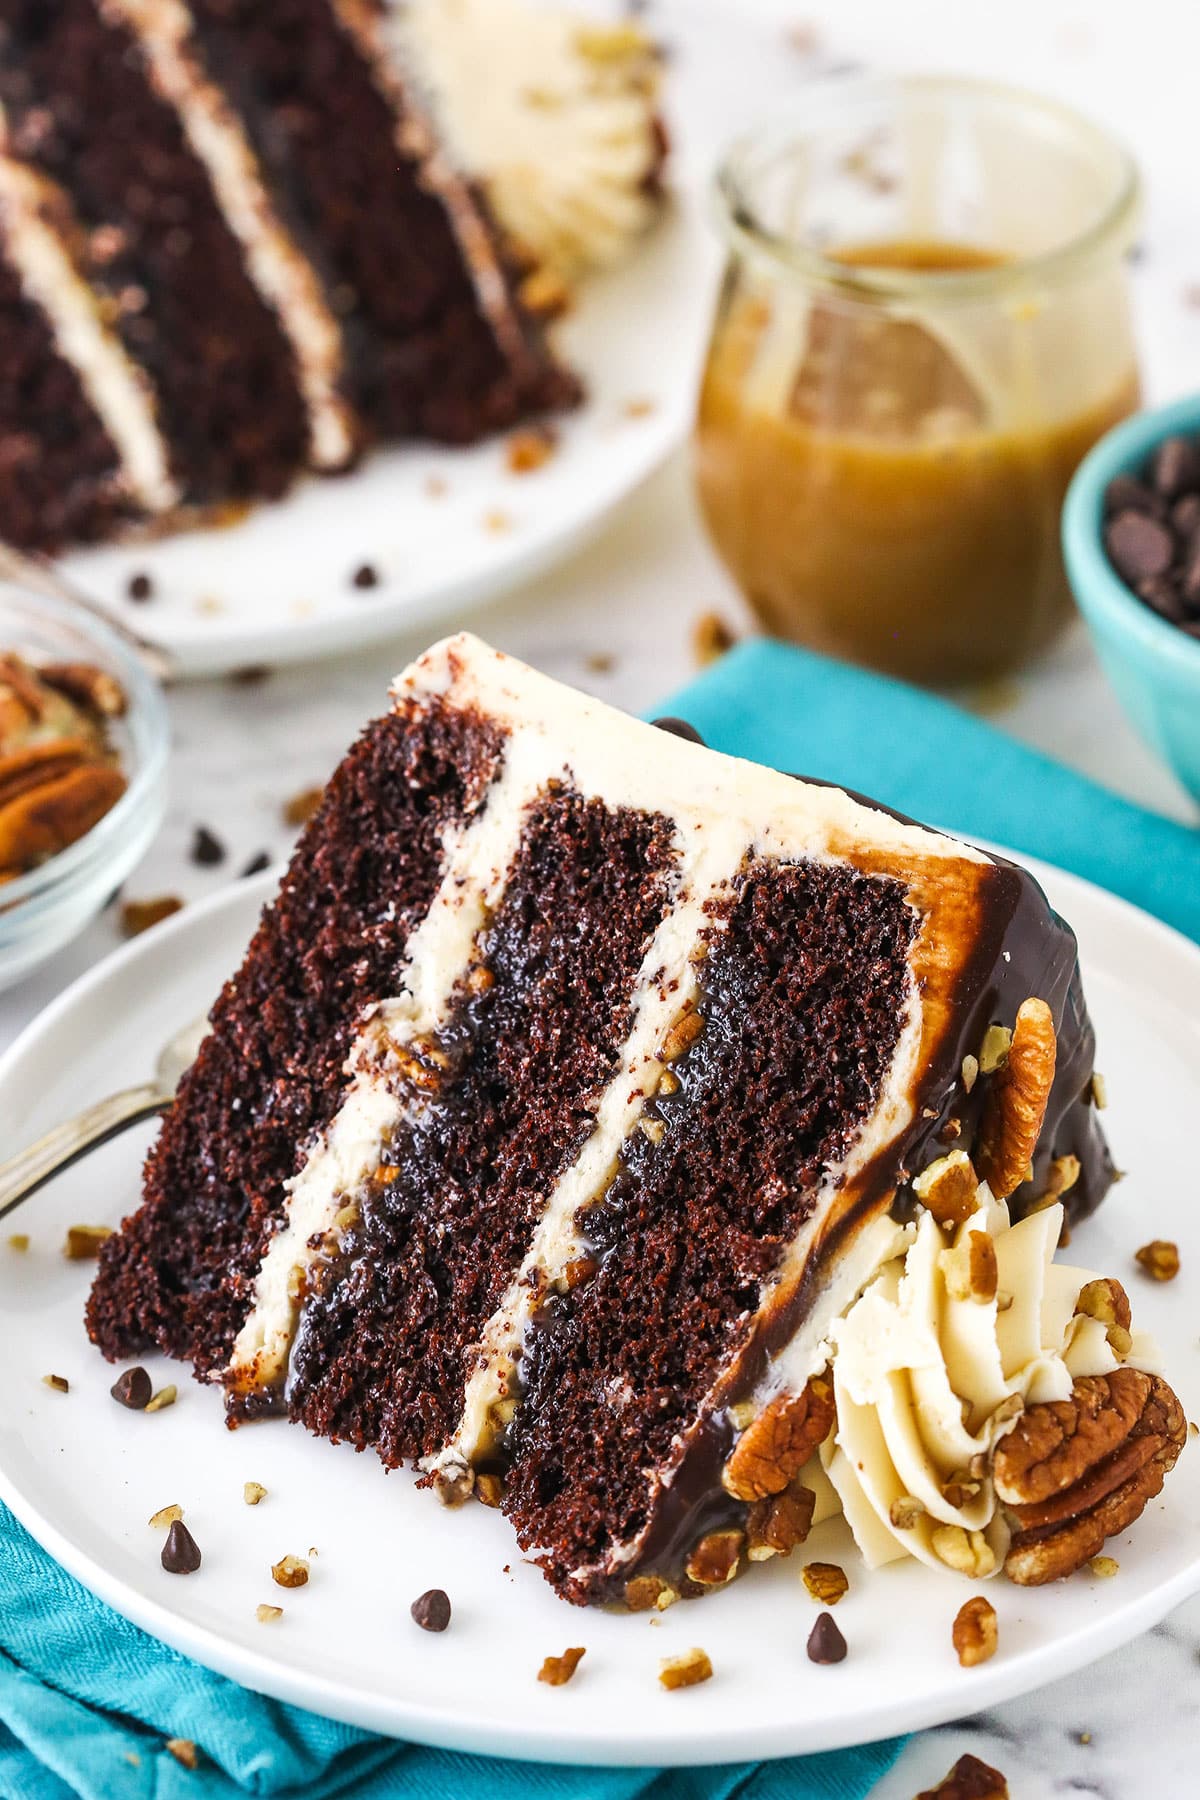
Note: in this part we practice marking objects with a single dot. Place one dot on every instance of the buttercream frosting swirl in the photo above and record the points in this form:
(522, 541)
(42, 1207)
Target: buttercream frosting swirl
(928, 1376)
(556, 117)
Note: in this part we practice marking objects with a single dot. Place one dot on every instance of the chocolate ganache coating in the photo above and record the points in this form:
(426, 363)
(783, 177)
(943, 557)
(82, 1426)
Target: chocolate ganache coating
(1022, 949)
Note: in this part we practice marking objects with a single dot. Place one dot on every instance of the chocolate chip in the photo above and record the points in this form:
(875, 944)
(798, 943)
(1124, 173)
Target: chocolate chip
(1189, 585)
(132, 1389)
(680, 728)
(1140, 547)
(825, 1642)
(432, 1610)
(1125, 493)
(207, 850)
(1175, 468)
(181, 1552)
(258, 862)
(140, 587)
(1185, 516)
(366, 576)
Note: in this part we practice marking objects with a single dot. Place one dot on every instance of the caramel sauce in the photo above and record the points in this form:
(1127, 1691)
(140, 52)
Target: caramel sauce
(870, 498)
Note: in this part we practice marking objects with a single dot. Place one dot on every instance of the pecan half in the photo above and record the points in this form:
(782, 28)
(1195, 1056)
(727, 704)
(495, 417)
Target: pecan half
(43, 820)
(779, 1442)
(1074, 1472)
(1015, 1108)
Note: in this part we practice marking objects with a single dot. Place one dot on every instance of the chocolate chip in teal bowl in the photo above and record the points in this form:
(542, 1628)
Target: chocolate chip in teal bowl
(1149, 656)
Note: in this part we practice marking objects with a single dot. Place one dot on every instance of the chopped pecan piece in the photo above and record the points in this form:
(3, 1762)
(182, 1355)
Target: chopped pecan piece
(83, 1242)
(772, 1450)
(777, 1524)
(1015, 1108)
(1159, 1259)
(715, 1559)
(949, 1188)
(556, 1671)
(644, 1592)
(967, 1551)
(89, 686)
(686, 1670)
(970, 1269)
(1075, 1472)
(974, 1632)
(1107, 1302)
(969, 1779)
(826, 1582)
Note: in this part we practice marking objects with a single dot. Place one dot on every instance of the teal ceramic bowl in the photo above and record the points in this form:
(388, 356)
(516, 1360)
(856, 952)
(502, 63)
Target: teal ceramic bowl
(1154, 667)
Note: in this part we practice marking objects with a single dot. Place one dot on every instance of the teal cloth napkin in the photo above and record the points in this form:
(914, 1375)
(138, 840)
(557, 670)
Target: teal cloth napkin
(87, 1700)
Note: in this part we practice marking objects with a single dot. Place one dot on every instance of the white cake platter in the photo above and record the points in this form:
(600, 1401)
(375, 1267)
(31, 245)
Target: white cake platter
(84, 1475)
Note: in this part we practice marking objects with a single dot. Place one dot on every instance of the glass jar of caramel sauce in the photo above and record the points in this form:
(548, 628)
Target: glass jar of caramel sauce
(923, 327)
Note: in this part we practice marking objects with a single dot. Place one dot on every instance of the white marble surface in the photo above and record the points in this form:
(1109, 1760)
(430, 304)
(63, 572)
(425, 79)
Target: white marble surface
(618, 620)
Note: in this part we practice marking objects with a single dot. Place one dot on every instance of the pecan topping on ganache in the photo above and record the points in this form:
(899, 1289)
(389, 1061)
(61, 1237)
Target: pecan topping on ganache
(1015, 1108)
(776, 1446)
(1075, 1472)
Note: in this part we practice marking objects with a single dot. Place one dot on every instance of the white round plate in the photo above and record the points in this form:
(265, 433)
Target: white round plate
(85, 1475)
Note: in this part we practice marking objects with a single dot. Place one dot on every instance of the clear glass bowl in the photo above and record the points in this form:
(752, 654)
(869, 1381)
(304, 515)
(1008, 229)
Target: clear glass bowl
(45, 909)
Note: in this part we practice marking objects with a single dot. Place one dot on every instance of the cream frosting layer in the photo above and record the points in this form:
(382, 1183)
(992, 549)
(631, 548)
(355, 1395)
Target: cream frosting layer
(282, 275)
(555, 116)
(32, 212)
(928, 1378)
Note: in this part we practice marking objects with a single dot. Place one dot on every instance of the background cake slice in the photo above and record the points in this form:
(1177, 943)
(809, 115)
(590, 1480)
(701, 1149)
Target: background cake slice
(575, 1084)
(264, 225)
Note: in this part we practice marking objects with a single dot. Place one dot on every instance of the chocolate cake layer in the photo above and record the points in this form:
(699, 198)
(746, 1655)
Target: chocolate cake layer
(82, 110)
(60, 472)
(802, 1000)
(179, 1274)
(436, 342)
(530, 1042)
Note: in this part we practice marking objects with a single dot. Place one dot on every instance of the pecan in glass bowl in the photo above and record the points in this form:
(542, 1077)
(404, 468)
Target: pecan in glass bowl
(82, 773)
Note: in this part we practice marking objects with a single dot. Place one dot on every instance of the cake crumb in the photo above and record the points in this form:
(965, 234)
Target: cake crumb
(556, 1671)
(290, 1572)
(184, 1751)
(436, 486)
(139, 915)
(83, 1241)
(166, 1396)
(684, 1671)
(301, 807)
(253, 1492)
(59, 1383)
(1104, 1566)
(497, 522)
(166, 1515)
(18, 1241)
(639, 408)
(267, 1615)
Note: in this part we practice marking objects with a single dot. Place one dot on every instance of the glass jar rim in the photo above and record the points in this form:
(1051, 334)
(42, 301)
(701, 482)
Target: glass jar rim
(1110, 232)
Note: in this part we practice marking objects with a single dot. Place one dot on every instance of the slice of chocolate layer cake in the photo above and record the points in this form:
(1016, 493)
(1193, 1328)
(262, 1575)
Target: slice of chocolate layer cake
(278, 261)
(578, 1082)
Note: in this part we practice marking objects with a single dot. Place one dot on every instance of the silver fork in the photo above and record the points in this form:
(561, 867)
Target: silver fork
(24, 1173)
